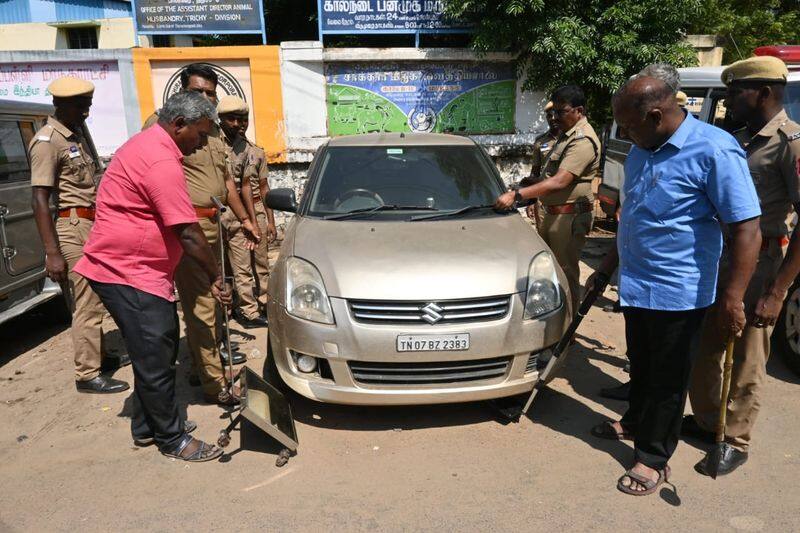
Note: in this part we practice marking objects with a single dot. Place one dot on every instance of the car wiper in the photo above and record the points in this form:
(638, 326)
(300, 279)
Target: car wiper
(385, 207)
(453, 213)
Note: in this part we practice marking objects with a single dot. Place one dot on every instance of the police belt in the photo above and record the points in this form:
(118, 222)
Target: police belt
(205, 212)
(80, 212)
(568, 209)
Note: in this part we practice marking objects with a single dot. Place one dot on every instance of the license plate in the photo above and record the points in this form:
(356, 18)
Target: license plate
(433, 343)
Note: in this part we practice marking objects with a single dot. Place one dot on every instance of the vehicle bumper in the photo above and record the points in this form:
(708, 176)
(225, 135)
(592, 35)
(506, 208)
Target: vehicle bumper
(350, 341)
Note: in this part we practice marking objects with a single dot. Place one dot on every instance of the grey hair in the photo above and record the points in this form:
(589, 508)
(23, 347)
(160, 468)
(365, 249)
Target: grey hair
(191, 106)
(664, 72)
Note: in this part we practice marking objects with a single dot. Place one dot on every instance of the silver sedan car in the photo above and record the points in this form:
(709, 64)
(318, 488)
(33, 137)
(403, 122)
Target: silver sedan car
(398, 283)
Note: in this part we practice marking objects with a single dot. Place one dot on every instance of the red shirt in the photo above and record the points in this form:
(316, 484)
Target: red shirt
(143, 192)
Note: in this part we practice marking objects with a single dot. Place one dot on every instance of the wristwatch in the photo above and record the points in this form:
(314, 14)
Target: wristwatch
(518, 197)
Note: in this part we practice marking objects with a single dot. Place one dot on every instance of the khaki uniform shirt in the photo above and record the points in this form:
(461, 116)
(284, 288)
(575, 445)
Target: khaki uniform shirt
(541, 149)
(578, 152)
(773, 156)
(61, 159)
(249, 162)
(205, 169)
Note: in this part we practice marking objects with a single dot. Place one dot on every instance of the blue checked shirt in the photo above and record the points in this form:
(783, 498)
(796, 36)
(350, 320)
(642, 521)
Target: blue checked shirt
(669, 238)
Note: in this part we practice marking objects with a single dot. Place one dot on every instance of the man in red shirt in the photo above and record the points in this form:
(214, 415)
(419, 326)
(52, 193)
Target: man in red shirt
(144, 223)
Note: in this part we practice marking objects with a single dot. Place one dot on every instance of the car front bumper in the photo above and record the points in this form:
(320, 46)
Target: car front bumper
(351, 342)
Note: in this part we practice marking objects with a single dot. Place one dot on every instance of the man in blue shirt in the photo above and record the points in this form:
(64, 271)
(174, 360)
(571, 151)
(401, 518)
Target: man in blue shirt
(681, 179)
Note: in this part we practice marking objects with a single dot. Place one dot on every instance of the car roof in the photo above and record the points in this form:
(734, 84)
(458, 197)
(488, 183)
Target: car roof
(401, 139)
(711, 76)
(25, 108)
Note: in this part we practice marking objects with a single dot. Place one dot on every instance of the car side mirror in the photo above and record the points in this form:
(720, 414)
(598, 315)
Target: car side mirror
(282, 200)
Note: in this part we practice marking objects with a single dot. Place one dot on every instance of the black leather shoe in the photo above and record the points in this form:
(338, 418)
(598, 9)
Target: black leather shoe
(690, 428)
(620, 392)
(731, 460)
(238, 357)
(115, 363)
(259, 321)
(101, 385)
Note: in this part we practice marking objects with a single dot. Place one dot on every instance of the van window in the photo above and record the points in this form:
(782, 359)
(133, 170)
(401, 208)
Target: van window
(13, 157)
(791, 99)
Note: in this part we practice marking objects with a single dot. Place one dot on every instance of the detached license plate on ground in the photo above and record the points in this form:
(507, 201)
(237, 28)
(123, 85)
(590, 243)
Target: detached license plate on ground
(433, 343)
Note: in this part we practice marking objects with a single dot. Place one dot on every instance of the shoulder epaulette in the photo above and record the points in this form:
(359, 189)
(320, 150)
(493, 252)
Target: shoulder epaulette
(45, 133)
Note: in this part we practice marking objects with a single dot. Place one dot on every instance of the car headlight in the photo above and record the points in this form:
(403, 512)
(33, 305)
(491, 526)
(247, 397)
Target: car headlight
(306, 296)
(543, 294)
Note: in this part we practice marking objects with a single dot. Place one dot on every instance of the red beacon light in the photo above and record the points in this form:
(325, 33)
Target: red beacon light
(789, 54)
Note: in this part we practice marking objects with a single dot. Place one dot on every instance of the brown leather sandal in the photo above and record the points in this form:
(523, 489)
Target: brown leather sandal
(649, 485)
(607, 431)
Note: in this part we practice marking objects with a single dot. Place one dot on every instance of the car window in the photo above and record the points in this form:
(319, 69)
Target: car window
(13, 157)
(431, 177)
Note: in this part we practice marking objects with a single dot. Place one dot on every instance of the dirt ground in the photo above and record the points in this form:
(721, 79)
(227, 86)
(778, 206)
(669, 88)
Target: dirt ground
(68, 462)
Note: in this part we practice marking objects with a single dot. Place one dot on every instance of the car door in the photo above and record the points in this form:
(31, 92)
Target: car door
(22, 250)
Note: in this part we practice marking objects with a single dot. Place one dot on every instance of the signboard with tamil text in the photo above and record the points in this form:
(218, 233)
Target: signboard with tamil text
(198, 16)
(386, 16)
(453, 97)
(27, 82)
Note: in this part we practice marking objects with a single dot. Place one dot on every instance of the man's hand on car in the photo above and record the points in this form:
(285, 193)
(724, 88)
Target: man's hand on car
(505, 201)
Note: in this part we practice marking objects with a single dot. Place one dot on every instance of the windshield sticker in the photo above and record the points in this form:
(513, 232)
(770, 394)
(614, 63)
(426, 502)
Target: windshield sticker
(394, 151)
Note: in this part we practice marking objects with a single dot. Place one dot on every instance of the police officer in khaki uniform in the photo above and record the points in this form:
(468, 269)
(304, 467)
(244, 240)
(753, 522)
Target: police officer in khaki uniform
(565, 185)
(772, 143)
(541, 149)
(207, 174)
(62, 162)
(249, 169)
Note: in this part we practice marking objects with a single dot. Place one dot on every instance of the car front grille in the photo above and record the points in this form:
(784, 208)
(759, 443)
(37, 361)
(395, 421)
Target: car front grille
(428, 373)
(430, 312)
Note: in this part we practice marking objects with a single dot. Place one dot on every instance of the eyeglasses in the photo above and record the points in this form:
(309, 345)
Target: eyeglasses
(560, 112)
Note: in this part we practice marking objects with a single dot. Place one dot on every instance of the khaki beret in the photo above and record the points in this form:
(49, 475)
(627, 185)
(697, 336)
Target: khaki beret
(759, 68)
(232, 104)
(68, 86)
(682, 99)
(548, 106)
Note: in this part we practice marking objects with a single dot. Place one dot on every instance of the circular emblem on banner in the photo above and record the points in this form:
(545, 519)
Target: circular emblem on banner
(422, 119)
(226, 83)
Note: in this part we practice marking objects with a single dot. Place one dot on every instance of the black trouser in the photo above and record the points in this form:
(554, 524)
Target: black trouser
(660, 349)
(149, 325)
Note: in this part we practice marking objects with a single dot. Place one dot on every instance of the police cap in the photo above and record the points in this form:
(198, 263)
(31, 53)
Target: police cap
(232, 104)
(759, 68)
(69, 86)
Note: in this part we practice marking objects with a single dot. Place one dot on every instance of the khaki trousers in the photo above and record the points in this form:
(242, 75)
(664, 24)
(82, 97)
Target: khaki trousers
(87, 309)
(252, 290)
(750, 355)
(200, 312)
(566, 236)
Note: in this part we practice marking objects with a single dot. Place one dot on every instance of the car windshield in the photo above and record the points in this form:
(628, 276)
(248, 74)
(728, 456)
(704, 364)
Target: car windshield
(409, 180)
(791, 100)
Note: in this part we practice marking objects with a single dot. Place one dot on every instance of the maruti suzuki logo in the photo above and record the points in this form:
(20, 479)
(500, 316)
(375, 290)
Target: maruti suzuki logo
(431, 313)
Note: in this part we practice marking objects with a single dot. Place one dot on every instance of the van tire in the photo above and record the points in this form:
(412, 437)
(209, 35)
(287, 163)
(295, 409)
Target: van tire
(786, 337)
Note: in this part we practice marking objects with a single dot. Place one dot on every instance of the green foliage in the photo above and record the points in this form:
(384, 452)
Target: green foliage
(747, 24)
(596, 44)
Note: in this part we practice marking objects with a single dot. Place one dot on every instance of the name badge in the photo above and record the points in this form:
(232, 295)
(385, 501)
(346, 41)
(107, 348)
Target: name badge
(73, 152)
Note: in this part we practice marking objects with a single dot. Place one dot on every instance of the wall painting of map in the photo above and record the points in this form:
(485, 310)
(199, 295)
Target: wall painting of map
(463, 98)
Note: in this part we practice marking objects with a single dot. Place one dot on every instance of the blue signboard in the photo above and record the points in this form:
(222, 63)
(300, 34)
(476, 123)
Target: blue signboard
(452, 97)
(198, 17)
(386, 16)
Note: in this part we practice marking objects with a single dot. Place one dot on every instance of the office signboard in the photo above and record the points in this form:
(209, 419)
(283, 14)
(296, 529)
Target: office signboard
(386, 16)
(198, 16)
